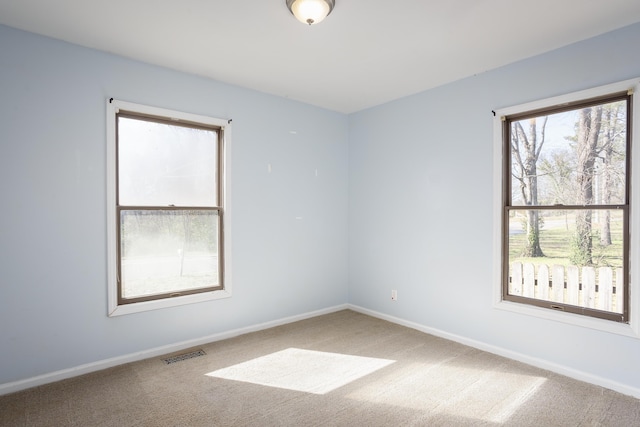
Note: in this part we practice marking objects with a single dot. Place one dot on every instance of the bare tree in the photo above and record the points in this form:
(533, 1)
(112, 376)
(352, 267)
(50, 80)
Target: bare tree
(609, 167)
(526, 148)
(589, 123)
(605, 178)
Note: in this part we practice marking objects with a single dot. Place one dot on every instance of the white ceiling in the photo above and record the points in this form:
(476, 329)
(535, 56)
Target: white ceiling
(365, 53)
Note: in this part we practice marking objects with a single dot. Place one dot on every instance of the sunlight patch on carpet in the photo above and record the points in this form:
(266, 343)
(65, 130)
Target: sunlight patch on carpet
(454, 390)
(308, 371)
(511, 406)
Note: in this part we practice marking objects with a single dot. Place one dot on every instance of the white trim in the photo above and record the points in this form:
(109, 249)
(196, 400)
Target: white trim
(633, 328)
(119, 310)
(157, 351)
(533, 361)
(113, 106)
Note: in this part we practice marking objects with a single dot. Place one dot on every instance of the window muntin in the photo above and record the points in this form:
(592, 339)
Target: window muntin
(571, 163)
(168, 210)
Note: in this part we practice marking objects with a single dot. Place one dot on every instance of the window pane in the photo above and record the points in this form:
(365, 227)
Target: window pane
(574, 257)
(168, 251)
(161, 164)
(576, 157)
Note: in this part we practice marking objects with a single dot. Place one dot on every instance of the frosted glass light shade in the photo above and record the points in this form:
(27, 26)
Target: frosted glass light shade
(310, 11)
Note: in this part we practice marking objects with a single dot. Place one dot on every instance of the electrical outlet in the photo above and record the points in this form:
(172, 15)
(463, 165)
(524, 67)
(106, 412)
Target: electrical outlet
(394, 295)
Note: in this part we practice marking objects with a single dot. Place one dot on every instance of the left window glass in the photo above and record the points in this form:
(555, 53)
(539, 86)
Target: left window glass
(167, 252)
(169, 211)
(166, 164)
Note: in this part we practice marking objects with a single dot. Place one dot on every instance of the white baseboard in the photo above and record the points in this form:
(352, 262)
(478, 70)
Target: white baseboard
(540, 363)
(154, 352)
(159, 351)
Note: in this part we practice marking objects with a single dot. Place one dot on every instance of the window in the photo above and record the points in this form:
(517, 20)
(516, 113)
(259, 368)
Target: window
(565, 204)
(167, 210)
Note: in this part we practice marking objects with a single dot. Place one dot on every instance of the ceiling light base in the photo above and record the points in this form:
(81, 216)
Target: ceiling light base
(310, 11)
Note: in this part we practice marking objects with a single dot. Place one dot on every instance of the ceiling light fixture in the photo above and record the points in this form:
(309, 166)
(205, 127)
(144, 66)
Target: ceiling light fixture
(310, 11)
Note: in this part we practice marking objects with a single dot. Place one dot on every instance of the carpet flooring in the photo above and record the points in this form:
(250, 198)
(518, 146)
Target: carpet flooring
(340, 369)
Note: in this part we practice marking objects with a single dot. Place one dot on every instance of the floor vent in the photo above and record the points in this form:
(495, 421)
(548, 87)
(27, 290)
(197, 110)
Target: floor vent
(185, 356)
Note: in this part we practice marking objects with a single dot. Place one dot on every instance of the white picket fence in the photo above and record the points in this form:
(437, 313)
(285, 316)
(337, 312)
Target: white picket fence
(587, 287)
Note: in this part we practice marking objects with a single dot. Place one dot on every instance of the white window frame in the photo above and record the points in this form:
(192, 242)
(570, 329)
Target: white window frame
(113, 107)
(631, 329)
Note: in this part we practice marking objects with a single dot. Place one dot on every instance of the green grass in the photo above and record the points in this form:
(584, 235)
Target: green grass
(556, 235)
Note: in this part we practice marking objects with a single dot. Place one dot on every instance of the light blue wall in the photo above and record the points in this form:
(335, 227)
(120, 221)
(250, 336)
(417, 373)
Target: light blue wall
(420, 207)
(409, 184)
(53, 294)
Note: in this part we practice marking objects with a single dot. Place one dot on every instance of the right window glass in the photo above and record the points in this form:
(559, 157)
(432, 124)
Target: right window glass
(566, 207)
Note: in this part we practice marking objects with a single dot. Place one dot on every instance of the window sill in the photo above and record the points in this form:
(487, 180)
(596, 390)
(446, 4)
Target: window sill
(609, 326)
(119, 310)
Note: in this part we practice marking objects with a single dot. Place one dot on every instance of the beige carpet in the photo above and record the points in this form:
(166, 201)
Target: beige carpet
(341, 369)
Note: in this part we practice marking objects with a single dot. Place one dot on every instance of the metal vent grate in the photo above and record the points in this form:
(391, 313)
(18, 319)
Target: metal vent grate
(184, 356)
